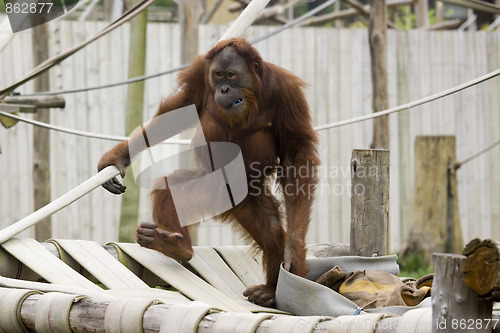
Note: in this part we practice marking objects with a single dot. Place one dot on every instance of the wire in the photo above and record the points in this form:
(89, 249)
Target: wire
(181, 67)
(411, 104)
(476, 155)
(49, 63)
(109, 85)
(317, 128)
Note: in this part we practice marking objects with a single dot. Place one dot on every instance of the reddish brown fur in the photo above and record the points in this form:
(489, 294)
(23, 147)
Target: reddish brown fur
(277, 128)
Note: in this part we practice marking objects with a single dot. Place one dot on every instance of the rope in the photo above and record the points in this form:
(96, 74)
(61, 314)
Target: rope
(476, 155)
(411, 104)
(109, 85)
(100, 178)
(317, 128)
(49, 63)
(184, 66)
(81, 133)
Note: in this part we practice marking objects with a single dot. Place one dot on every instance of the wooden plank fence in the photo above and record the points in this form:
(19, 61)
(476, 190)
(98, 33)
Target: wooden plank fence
(334, 63)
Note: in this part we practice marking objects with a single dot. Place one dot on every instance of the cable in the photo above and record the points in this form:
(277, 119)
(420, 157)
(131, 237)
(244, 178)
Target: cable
(181, 67)
(81, 133)
(317, 128)
(109, 85)
(411, 104)
(476, 155)
(49, 63)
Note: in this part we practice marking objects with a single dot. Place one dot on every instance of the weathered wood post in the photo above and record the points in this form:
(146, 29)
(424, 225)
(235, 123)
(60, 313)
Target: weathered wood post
(41, 136)
(369, 202)
(456, 307)
(190, 13)
(377, 32)
(435, 221)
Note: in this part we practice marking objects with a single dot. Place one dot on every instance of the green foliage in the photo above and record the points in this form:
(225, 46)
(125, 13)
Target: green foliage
(406, 19)
(164, 3)
(357, 24)
(414, 265)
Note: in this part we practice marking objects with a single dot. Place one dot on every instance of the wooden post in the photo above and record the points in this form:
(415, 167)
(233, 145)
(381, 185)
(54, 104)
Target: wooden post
(41, 136)
(336, 9)
(439, 11)
(422, 13)
(190, 15)
(369, 202)
(456, 307)
(435, 222)
(404, 141)
(135, 104)
(378, 39)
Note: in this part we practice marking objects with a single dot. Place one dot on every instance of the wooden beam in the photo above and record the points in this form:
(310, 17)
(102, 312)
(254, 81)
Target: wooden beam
(37, 101)
(478, 5)
(17, 108)
(88, 315)
(363, 12)
(450, 24)
(337, 15)
(369, 202)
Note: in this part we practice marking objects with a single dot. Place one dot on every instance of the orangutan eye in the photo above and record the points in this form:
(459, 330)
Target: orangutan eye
(230, 74)
(218, 74)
